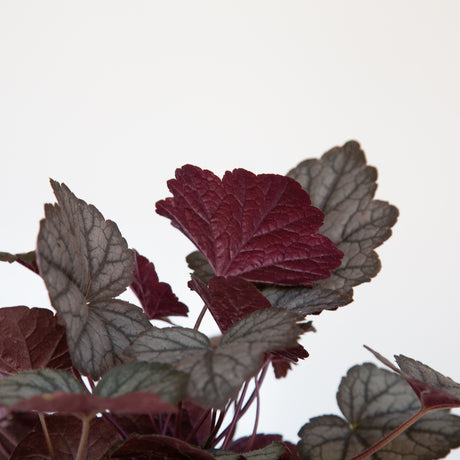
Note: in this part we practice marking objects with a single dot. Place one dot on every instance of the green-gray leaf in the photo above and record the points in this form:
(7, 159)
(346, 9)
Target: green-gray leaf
(374, 402)
(217, 374)
(25, 385)
(343, 187)
(161, 379)
(270, 452)
(85, 262)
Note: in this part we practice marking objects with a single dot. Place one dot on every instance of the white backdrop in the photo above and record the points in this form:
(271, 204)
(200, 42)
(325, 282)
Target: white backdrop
(111, 96)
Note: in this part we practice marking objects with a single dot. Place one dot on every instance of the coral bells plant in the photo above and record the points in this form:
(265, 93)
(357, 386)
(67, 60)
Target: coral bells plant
(103, 378)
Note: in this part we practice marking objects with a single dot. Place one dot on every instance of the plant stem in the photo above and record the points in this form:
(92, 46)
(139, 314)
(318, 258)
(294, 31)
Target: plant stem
(108, 418)
(256, 421)
(371, 450)
(82, 447)
(200, 318)
(47, 435)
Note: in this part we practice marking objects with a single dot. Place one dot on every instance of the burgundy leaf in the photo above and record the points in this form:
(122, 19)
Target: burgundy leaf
(65, 433)
(260, 441)
(73, 403)
(159, 445)
(262, 227)
(230, 299)
(13, 428)
(157, 298)
(282, 360)
(31, 338)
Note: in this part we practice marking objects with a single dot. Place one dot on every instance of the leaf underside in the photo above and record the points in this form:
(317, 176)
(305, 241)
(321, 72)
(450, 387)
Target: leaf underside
(85, 263)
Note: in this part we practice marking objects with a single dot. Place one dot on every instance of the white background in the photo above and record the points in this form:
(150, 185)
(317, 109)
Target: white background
(110, 97)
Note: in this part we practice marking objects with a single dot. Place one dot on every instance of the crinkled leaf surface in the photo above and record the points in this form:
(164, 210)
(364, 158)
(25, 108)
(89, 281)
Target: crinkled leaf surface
(31, 338)
(27, 259)
(131, 388)
(158, 445)
(85, 263)
(433, 389)
(64, 433)
(156, 298)
(374, 402)
(262, 227)
(217, 374)
(342, 186)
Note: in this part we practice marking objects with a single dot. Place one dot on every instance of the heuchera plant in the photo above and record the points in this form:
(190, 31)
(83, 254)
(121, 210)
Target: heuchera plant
(103, 378)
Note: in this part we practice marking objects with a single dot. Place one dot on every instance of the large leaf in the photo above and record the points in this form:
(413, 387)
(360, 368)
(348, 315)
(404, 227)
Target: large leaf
(131, 388)
(262, 228)
(156, 298)
(342, 186)
(374, 402)
(64, 432)
(31, 338)
(217, 374)
(85, 263)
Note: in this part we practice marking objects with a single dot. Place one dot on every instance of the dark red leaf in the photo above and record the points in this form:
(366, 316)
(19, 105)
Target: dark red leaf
(260, 441)
(65, 433)
(230, 299)
(282, 360)
(131, 403)
(262, 227)
(160, 445)
(157, 298)
(14, 428)
(31, 338)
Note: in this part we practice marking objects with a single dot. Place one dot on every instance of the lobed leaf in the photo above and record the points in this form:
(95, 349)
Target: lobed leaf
(156, 298)
(217, 374)
(374, 402)
(262, 227)
(342, 186)
(31, 338)
(85, 263)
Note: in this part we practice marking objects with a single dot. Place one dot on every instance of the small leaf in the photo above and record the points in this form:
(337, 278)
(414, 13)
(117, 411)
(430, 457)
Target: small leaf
(31, 338)
(20, 387)
(27, 259)
(157, 299)
(375, 402)
(64, 434)
(85, 262)
(159, 446)
(343, 187)
(217, 374)
(433, 389)
(262, 228)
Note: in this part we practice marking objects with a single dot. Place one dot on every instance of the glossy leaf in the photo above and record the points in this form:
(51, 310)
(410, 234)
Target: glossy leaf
(342, 186)
(156, 298)
(262, 228)
(217, 374)
(374, 402)
(31, 338)
(85, 262)
(64, 434)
